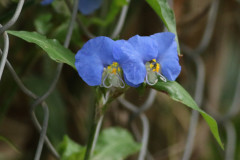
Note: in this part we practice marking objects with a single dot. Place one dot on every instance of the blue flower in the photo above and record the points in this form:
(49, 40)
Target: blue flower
(46, 2)
(145, 58)
(96, 65)
(86, 7)
(132, 56)
(167, 55)
(104, 62)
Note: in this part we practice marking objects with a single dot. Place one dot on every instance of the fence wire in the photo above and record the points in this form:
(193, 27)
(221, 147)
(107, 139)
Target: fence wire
(5, 52)
(194, 54)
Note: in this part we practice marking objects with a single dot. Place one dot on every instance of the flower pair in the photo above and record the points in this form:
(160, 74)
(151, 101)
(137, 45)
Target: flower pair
(84, 6)
(105, 62)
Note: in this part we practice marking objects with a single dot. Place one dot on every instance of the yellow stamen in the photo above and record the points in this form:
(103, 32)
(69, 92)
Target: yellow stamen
(114, 71)
(157, 67)
(151, 65)
(115, 64)
(114, 68)
(154, 66)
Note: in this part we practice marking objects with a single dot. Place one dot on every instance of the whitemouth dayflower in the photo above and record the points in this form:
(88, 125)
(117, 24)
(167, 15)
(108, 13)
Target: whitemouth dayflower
(149, 57)
(84, 6)
(132, 56)
(167, 57)
(96, 65)
(105, 62)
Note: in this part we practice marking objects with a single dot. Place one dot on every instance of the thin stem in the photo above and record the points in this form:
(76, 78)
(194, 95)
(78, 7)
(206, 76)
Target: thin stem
(90, 141)
(92, 131)
(99, 125)
(96, 125)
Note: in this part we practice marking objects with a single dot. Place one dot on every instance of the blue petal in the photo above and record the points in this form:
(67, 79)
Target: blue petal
(46, 2)
(89, 68)
(145, 46)
(170, 63)
(130, 84)
(124, 52)
(132, 65)
(164, 40)
(134, 73)
(93, 57)
(88, 6)
(101, 48)
(168, 55)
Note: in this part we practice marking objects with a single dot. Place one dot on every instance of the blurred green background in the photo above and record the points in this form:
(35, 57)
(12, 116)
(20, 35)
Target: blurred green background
(70, 102)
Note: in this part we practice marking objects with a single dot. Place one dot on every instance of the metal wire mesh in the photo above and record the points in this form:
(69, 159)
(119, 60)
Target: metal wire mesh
(194, 54)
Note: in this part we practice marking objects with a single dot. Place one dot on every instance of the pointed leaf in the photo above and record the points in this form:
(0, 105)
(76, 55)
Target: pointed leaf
(115, 144)
(52, 47)
(70, 150)
(178, 93)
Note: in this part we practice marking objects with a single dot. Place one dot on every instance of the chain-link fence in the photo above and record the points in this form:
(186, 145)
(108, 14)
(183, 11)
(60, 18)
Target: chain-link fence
(195, 55)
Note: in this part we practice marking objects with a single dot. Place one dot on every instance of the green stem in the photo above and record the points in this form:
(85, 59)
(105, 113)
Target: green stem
(97, 131)
(97, 117)
(90, 140)
(93, 125)
(97, 114)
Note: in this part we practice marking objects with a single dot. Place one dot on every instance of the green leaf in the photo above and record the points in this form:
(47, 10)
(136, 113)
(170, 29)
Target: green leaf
(179, 94)
(163, 10)
(70, 150)
(115, 144)
(52, 47)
